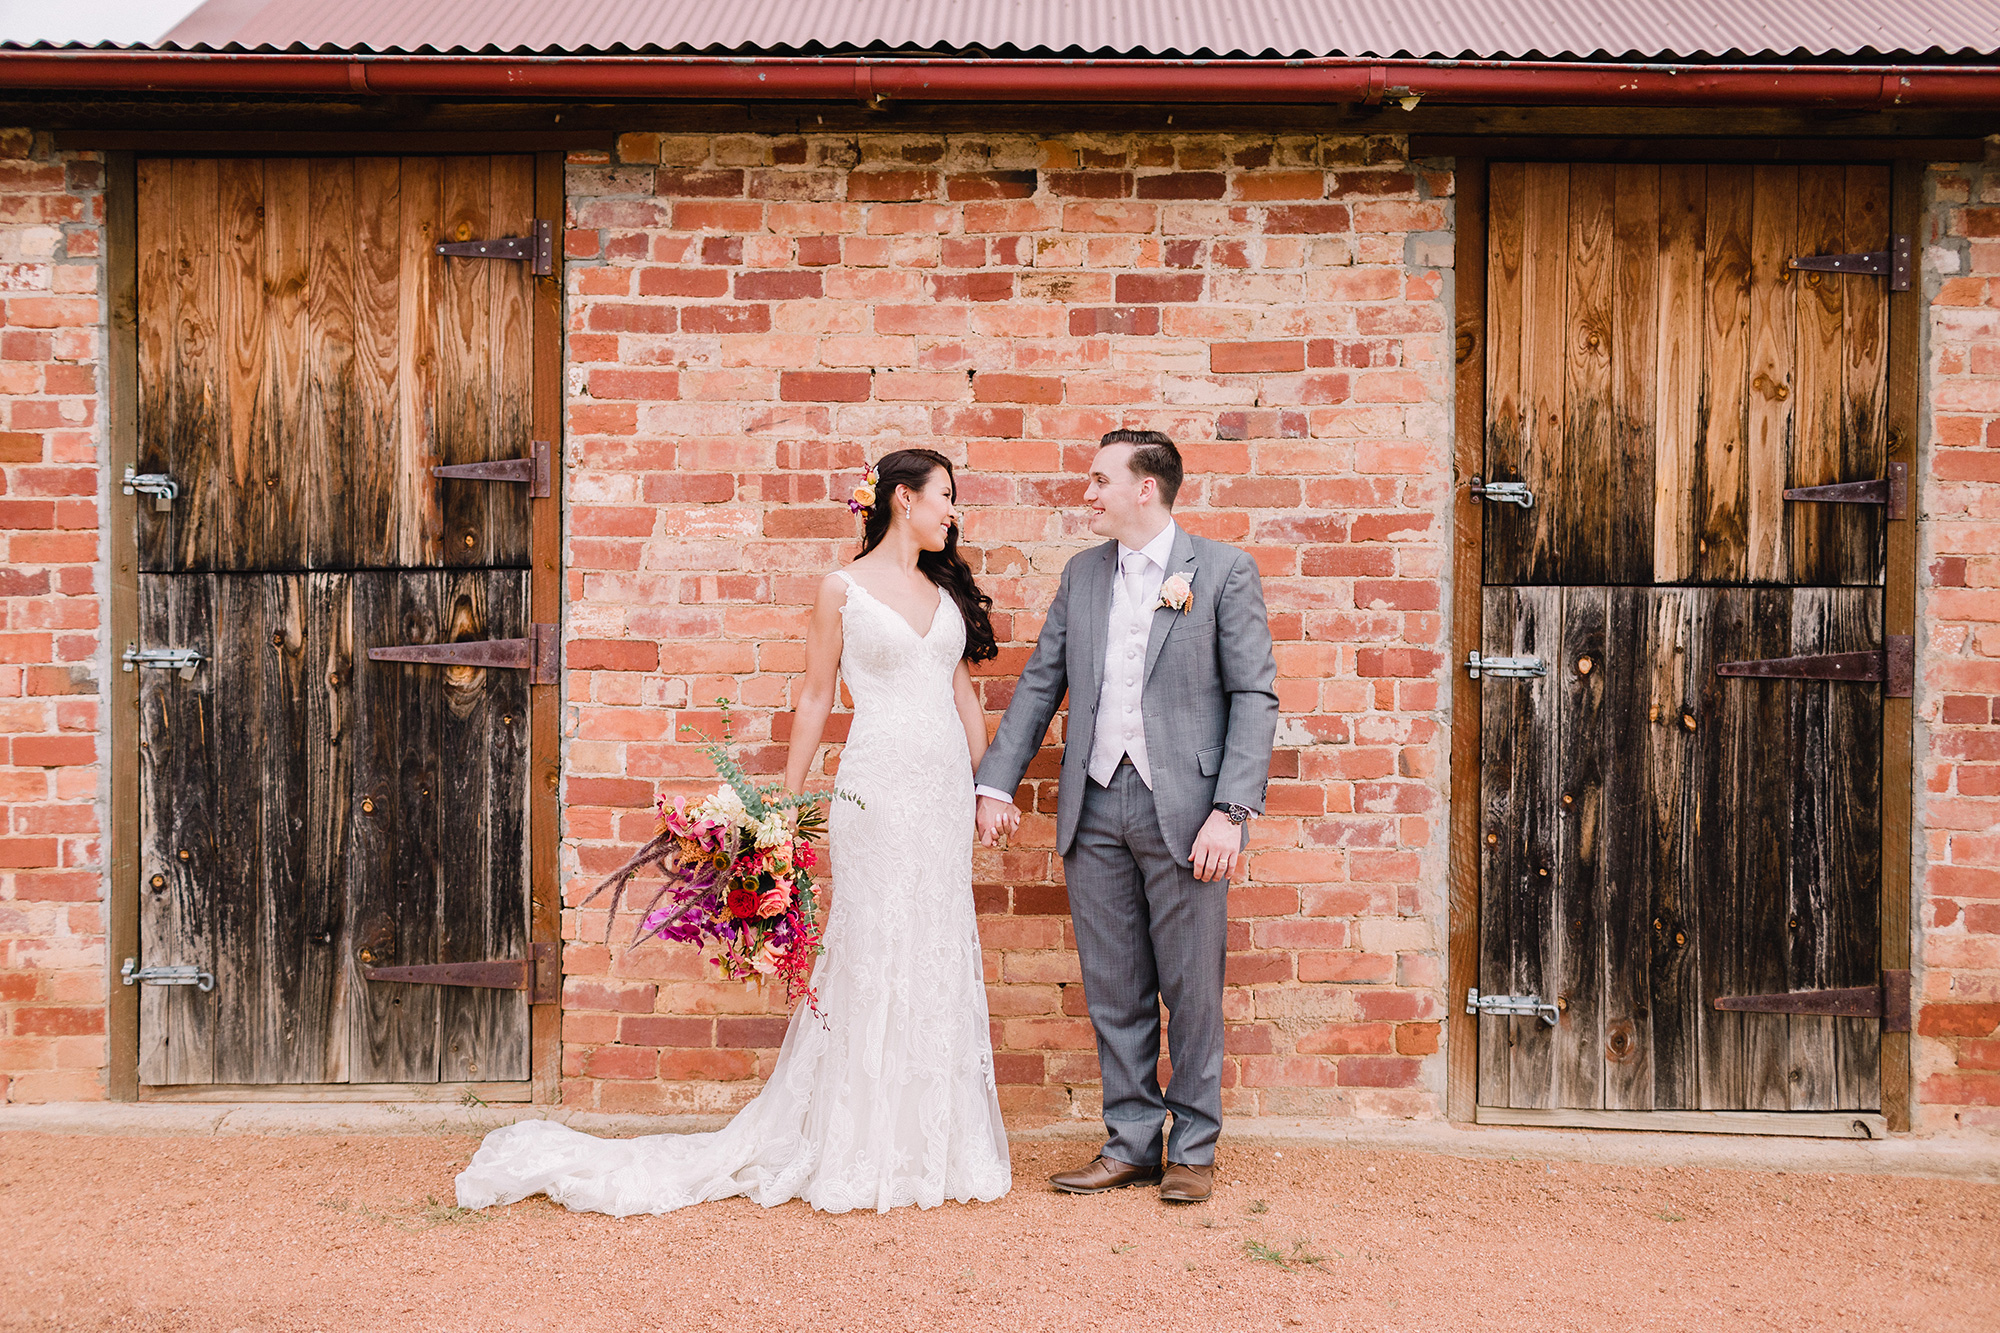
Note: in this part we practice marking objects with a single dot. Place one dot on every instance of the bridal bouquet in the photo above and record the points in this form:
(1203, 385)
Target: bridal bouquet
(737, 876)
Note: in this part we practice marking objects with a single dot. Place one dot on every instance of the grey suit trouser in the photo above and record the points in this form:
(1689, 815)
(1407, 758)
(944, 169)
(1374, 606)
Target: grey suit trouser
(1147, 930)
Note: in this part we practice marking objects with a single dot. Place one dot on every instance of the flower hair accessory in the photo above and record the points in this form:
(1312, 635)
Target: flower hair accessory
(864, 494)
(1175, 594)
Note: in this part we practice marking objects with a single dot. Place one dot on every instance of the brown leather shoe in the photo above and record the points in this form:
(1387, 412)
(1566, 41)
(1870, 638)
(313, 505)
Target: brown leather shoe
(1106, 1173)
(1185, 1182)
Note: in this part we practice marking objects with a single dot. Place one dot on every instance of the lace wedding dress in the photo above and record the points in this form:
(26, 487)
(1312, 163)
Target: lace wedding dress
(887, 1096)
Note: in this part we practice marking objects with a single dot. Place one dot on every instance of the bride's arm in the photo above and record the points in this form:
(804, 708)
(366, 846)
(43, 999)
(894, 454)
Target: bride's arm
(969, 712)
(816, 690)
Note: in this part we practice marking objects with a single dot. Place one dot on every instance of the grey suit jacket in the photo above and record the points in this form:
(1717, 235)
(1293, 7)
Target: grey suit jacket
(1209, 703)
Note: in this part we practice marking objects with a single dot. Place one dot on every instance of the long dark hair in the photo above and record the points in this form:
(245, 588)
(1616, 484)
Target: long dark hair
(946, 568)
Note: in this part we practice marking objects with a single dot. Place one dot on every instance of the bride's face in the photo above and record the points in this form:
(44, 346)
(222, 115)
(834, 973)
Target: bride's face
(932, 511)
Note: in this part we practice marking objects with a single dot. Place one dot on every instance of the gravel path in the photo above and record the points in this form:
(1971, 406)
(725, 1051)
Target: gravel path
(339, 1233)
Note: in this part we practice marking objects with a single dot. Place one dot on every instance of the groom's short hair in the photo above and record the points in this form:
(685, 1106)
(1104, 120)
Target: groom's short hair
(1153, 455)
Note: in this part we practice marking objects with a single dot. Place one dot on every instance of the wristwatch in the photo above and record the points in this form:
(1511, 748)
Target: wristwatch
(1237, 813)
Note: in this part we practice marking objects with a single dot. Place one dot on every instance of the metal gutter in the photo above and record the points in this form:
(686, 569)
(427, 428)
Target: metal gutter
(877, 81)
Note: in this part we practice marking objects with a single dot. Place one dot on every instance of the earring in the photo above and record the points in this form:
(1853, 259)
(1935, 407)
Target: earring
(906, 513)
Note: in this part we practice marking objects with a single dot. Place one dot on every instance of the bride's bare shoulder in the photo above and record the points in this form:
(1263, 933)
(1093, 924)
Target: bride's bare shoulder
(832, 593)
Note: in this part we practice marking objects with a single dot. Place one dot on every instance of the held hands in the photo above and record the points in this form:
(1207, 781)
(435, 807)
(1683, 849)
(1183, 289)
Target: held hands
(1217, 848)
(994, 818)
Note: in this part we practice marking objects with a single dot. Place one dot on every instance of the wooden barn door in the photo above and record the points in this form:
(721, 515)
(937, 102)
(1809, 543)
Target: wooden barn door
(1661, 830)
(311, 815)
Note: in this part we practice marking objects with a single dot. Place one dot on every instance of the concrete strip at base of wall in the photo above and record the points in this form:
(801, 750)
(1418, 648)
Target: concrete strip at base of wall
(1967, 1159)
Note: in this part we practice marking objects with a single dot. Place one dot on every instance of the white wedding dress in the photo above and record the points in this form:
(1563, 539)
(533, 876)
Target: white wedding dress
(887, 1097)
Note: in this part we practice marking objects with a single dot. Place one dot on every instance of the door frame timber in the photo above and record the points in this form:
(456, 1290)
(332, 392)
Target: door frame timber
(545, 605)
(1903, 390)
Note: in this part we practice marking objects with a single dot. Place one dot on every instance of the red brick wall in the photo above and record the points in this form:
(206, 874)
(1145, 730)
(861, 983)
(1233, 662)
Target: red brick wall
(52, 956)
(752, 318)
(1958, 744)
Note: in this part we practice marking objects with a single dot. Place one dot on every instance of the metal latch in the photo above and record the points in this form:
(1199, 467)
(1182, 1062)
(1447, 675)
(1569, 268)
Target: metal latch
(166, 976)
(1897, 261)
(183, 660)
(1511, 1006)
(1522, 668)
(538, 248)
(1504, 492)
(159, 485)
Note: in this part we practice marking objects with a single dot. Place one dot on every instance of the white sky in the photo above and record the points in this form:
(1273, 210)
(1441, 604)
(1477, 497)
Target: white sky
(90, 20)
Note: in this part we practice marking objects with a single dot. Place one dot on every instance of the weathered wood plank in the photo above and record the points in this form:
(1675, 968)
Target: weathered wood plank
(1847, 933)
(465, 390)
(1865, 355)
(511, 346)
(157, 292)
(1677, 430)
(1722, 472)
(1545, 333)
(236, 500)
(178, 862)
(1773, 240)
(1582, 516)
(419, 519)
(1680, 661)
(284, 477)
(244, 790)
(372, 464)
(1506, 534)
(330, 448)
(1837, 1125)
(1628, 819)
(1817, 530)
(1500, 844)
(195, 413)
(326, 980)
(1635, 331)
(1722, 727)
(1574, 946)
(482, 863)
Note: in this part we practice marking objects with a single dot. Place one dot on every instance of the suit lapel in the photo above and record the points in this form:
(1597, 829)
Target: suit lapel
(1093, 621)
(1165, 618)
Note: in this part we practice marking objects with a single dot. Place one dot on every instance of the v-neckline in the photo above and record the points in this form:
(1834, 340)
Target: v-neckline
(923, 636)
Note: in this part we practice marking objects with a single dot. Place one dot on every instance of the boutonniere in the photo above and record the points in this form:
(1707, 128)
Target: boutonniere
(1175, 594)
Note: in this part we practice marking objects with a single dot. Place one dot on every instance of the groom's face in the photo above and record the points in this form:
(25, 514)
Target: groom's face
(1118, 497)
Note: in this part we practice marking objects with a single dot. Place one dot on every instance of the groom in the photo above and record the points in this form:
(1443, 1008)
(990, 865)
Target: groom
(1161, 642)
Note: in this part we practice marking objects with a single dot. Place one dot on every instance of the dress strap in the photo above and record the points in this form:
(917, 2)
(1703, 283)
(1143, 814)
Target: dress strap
(847, 578)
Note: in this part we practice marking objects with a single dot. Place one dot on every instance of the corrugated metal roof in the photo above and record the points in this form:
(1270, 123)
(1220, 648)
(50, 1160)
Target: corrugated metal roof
(1381, 28)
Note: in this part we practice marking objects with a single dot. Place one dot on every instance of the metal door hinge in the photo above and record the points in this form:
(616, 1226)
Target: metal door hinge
(1892, 492)
(1504, 492)
(538, 247)
(166, 976)
(539, 653)
(534, 470)
(1511, 1006)
(1888, 1000)
(159, 485)
(1894, 664)
(1897, 261)
(1521, 668)
(535, 974)
(183, 660)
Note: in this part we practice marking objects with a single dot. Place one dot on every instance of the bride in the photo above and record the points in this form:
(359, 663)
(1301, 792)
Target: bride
(886, 1097)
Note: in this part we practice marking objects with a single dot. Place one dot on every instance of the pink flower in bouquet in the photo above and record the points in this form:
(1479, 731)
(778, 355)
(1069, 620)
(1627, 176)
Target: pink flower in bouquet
(768, 958)
(742, 903)
(803, 855)
(775, 901)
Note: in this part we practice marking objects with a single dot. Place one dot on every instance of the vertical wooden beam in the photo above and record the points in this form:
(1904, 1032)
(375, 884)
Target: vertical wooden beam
(121, 274)
(545, 591)
(1467, 537)
(1906, 212)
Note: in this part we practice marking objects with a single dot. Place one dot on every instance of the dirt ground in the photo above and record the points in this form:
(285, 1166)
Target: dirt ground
(337, 1233)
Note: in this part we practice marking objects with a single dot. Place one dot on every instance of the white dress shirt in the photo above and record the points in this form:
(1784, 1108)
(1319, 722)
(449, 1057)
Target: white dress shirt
(1120, 727)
